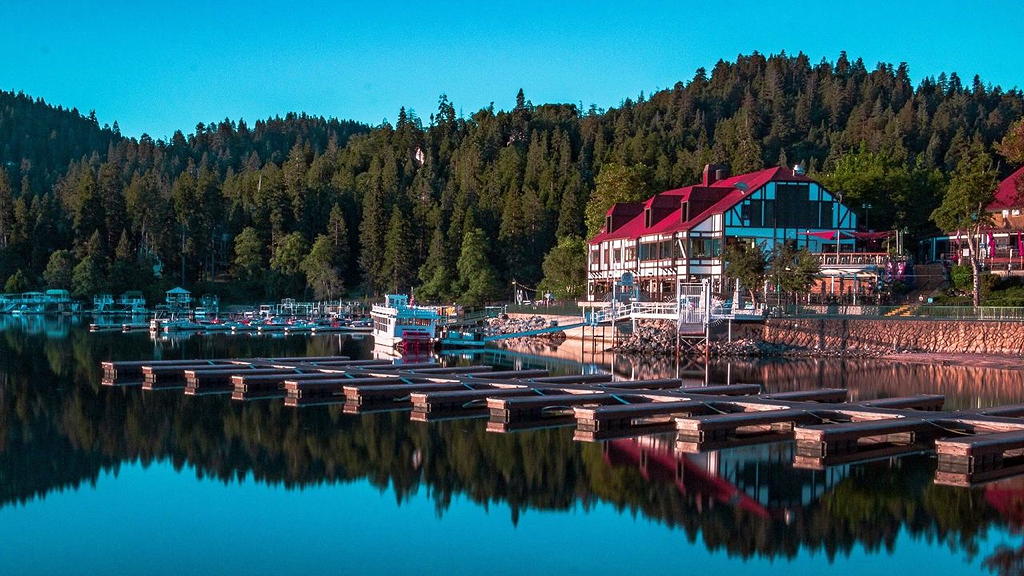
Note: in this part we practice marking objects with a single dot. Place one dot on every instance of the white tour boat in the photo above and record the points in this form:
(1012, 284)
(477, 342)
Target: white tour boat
(396, 321)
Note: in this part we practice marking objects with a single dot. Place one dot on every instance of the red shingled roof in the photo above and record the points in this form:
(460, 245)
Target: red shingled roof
(1008, 194)
(707, 200)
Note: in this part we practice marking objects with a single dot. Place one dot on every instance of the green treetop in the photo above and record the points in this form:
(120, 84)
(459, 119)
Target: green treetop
(970, 190)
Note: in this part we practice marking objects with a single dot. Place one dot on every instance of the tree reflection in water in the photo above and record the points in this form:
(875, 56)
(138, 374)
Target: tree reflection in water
(60, 428)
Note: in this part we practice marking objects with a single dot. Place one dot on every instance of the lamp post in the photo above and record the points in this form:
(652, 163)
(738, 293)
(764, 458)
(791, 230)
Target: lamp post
(839, 223)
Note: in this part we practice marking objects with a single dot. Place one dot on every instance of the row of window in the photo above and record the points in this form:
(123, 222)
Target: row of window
(697, 248)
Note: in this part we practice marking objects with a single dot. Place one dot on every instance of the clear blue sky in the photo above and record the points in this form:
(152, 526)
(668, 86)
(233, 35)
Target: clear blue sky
(159, 66)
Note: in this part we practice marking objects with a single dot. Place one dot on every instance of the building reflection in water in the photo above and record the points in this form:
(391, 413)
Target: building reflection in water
(60, 428)
(865, 379)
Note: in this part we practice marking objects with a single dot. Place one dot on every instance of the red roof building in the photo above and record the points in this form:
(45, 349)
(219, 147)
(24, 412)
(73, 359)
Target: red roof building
(677, 236)
(1002, 242)
(1008, 203)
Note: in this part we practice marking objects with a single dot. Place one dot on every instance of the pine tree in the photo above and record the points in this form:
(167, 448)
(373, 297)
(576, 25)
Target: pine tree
(371, 233)
(6, 210)
(248, 254)
(59, 269)
(436, 273)
(337, 233)
(477, 277)
(615, 183)
(322, 274)
(87, 278)
(397, 268)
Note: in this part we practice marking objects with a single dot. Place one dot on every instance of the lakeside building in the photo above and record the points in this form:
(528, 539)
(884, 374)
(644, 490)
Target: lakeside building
(677, 237)
(1002, 240)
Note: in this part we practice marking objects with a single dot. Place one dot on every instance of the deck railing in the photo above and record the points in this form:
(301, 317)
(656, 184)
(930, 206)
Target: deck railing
(906, 311)
(854, 258)
(560, 309)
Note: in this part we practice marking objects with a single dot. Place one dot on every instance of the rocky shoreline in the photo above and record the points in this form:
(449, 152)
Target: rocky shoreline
(509, 325)
(658, 338)
(809, 338)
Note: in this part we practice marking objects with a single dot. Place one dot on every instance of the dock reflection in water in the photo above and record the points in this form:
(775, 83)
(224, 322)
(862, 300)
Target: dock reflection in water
(60, 429)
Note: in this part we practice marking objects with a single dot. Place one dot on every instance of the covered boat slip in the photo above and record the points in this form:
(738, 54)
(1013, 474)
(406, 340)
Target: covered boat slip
(972, 445)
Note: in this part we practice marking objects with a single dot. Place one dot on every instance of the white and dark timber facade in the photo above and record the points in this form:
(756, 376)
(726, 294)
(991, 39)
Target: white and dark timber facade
(678, 236)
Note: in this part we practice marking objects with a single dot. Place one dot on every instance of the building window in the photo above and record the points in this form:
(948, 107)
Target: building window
(792, 208)
(701, 248)
(827, 211)
(648, 251)
(669, 249)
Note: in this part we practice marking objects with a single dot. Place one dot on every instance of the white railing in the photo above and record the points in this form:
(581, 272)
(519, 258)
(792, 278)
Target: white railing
(854, 258)
(649, 310)
(611, 314)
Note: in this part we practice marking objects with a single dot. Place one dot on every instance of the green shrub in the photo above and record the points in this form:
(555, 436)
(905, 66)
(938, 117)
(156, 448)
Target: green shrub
(960, 277)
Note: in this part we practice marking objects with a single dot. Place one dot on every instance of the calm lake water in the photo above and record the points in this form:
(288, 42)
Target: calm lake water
(100, 480)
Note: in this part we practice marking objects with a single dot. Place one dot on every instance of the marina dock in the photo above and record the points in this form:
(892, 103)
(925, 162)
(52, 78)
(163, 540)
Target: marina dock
(825, 428)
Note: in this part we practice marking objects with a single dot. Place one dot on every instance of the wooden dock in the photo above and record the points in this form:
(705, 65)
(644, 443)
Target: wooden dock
(972, 446)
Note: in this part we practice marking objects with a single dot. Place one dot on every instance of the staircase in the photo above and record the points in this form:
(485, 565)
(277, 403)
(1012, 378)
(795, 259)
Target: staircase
(930, 279)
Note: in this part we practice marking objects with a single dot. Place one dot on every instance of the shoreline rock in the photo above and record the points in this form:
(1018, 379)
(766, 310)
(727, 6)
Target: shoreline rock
(508, 325)
(658, 338)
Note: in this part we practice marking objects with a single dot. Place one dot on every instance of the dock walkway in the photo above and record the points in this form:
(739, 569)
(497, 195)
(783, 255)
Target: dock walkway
(972, 445)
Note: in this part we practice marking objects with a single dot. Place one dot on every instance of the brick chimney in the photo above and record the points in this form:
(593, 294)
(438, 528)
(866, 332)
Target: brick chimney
(709, 175)
(713, 173)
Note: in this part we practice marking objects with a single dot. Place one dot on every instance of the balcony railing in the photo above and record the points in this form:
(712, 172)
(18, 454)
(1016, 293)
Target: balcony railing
(1002, 261)
(855, 258)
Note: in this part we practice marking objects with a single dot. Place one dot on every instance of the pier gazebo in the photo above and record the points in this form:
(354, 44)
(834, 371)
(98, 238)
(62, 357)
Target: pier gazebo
(178, 298)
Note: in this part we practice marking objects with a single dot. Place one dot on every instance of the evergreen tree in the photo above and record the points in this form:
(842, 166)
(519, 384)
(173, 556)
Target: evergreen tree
(248, 254)
(59, 269)
(615, 183)
(87, 278)
(477, 277)
(397, 268)
(124, 271)
(436, 274)
(6, 210)
(371, 234)
(337, 233)
(321, 272)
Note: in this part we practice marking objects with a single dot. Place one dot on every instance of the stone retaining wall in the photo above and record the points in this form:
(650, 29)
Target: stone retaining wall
(883, 336)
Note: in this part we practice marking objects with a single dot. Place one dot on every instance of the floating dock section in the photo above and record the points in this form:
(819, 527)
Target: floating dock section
(972, 446)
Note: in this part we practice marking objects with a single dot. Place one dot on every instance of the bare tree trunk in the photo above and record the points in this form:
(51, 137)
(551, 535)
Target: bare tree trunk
(974, 243)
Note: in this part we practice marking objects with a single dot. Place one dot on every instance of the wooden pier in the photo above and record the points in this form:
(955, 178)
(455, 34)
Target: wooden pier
(826, 429)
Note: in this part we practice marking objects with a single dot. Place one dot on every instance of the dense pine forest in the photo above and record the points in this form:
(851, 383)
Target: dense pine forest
(458, 207)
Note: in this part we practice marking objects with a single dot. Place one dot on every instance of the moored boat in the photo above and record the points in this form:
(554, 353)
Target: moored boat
(397, 321)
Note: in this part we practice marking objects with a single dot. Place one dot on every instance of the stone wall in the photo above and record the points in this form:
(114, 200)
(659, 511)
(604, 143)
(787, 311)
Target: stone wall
(884, 336)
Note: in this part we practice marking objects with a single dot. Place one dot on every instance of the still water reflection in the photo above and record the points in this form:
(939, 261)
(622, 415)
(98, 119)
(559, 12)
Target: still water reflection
(96, 479)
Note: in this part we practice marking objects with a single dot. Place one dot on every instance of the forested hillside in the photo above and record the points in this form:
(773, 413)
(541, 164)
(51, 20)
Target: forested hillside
(457, 207)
